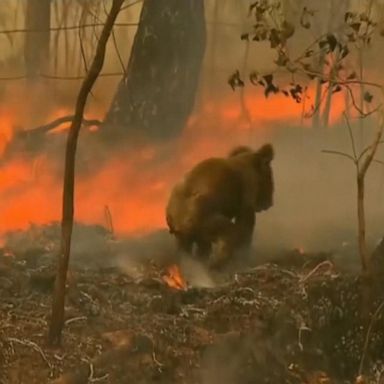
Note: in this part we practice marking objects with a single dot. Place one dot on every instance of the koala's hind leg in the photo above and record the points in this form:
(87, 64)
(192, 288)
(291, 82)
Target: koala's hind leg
(245, 225)
(222, 235)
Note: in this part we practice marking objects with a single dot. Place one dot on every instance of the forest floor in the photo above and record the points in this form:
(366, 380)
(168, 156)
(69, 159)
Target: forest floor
(294, 320)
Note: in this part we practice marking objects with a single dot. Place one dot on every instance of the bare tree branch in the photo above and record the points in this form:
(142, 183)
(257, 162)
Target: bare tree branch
(55, 123)
(331, 152)
(64, 28)
(371, 153)
(366, 149)
(131, 4)
(358, 109)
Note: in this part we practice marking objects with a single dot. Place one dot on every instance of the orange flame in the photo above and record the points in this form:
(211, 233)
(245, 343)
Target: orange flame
(174, 278)
(134, 184)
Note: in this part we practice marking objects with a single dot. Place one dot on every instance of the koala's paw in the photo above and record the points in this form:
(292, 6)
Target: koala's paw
(221, 253)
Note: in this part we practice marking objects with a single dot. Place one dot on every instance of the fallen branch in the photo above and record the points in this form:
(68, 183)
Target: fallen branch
(33, 345)
(138, 345)
(74, 319)
(42, 129)
(314, 270)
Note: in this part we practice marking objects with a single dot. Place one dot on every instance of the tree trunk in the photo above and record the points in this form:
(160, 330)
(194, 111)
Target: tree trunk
(57, 318)
(157, 95)
(320, 68)
(361, 225)
(36, 45)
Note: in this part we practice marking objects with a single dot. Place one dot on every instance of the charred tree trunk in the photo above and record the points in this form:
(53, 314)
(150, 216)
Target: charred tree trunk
(57, 318)
(37, 38)
(157, 94)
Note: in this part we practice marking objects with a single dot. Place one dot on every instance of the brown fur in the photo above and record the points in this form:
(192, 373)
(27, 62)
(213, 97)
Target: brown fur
(217, 200)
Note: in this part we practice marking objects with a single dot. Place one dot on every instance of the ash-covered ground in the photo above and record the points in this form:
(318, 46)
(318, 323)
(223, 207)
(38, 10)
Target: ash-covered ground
(294, 318)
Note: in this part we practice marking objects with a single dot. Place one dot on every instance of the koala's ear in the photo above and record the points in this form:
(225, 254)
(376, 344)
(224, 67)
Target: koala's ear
(239, 150)
(265, 154)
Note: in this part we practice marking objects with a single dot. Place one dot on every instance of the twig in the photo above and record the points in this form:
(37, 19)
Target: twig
(337, 80)
(100, 378)
(82, 50)
(57, 77)
(131, 4)
(29, 343)
(118, 54)
(362, 114)
(314, 270)
(93, 25)
(157, 362)
(365, 348)
(91, 375)
(55, 123)
(367, 148)
(62, 28)
(371, 154)
(318, 105)
(74, 319)
(331, 152)
(301, 329)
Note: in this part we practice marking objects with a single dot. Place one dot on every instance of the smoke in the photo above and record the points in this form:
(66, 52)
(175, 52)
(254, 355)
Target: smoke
(315, 193)
(315, 204)
(315, 200)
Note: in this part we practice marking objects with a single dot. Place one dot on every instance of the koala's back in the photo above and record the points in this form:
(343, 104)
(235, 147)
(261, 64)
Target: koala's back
(215, 181)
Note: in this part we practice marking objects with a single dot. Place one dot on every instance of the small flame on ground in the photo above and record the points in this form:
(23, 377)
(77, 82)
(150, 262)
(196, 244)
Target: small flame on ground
(174, 278)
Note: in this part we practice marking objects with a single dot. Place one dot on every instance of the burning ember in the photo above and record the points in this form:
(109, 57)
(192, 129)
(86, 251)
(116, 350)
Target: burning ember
(174, 278)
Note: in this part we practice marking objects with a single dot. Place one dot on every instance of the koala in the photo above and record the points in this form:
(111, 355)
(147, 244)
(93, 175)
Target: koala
(216, 202)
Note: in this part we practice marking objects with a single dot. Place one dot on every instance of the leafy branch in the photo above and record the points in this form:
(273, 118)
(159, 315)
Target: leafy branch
(271, 26)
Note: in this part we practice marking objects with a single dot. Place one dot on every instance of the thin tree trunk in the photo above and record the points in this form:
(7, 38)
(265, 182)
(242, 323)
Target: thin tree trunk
(361, 224)
(343, 7)
(157, 94)
(328, 100)
(37, 39)
(320, 67)
(361, 52)
(361, 98)
(318, 94)
(365, 258)
(57, 318)
(213, 51)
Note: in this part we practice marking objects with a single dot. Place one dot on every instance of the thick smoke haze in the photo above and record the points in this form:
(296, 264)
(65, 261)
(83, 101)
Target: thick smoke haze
(315, 200)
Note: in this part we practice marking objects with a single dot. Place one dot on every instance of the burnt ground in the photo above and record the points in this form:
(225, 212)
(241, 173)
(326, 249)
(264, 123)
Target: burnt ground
(294, 320)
